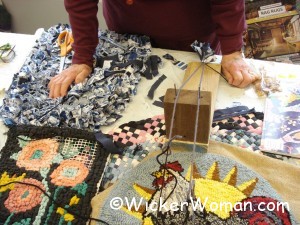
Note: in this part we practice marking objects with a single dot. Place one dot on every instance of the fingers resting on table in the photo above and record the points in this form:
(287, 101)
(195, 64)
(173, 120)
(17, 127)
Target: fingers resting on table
(237, 72)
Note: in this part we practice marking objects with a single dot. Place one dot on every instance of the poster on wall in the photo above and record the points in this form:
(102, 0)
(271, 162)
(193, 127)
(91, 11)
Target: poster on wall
(273, 31)
(264, 8)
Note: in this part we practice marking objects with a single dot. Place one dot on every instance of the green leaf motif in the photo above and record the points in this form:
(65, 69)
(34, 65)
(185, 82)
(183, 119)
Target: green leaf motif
(26, 221)
(44, 172)
(23, 140)
(57, 159)
(15, 156)
(80, 188)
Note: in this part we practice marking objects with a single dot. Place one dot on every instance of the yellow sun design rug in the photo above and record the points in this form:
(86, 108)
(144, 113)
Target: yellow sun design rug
(225, 192)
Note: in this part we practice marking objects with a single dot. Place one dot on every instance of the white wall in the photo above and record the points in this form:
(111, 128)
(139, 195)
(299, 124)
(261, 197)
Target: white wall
(29, 15)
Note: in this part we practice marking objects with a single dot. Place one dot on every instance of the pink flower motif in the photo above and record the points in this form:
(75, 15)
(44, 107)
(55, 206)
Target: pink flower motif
(69, 173)
(38, 154)
(24, 197)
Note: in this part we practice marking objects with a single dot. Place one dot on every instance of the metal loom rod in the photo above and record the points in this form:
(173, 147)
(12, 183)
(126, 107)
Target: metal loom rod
(192, 184)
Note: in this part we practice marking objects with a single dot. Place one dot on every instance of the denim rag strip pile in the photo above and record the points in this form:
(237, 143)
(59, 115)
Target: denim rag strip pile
(120, 59)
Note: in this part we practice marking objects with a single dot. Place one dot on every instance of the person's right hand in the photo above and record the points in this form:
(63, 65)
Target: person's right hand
(237, 71)
(59, 84)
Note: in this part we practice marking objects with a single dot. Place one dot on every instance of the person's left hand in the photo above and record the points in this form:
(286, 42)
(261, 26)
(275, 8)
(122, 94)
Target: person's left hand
(236, 70)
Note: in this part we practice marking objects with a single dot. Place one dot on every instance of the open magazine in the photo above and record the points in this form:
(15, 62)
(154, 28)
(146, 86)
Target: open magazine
(281, 128)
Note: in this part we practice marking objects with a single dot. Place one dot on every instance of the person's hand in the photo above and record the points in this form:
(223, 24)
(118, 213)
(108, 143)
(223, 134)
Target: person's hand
(59, 84)
(236, 70)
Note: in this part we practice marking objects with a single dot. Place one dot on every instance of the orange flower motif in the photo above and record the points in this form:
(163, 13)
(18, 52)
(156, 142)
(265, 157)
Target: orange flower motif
(69, 173)
(24, 197)
(38, 154)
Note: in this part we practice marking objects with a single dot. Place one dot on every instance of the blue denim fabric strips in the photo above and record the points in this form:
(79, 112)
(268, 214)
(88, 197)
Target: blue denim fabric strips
(121, 61)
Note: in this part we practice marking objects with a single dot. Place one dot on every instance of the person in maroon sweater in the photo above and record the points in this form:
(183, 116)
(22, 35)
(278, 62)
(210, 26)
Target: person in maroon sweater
(171, 24)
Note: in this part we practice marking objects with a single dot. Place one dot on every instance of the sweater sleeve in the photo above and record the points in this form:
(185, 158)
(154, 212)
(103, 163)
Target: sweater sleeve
(229, 16)
(84, 25)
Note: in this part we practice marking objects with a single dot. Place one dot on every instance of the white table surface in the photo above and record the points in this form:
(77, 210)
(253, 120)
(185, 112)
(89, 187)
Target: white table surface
(141, 106)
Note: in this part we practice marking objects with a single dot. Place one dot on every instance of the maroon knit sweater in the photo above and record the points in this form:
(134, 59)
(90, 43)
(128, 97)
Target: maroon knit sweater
(171, 24)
